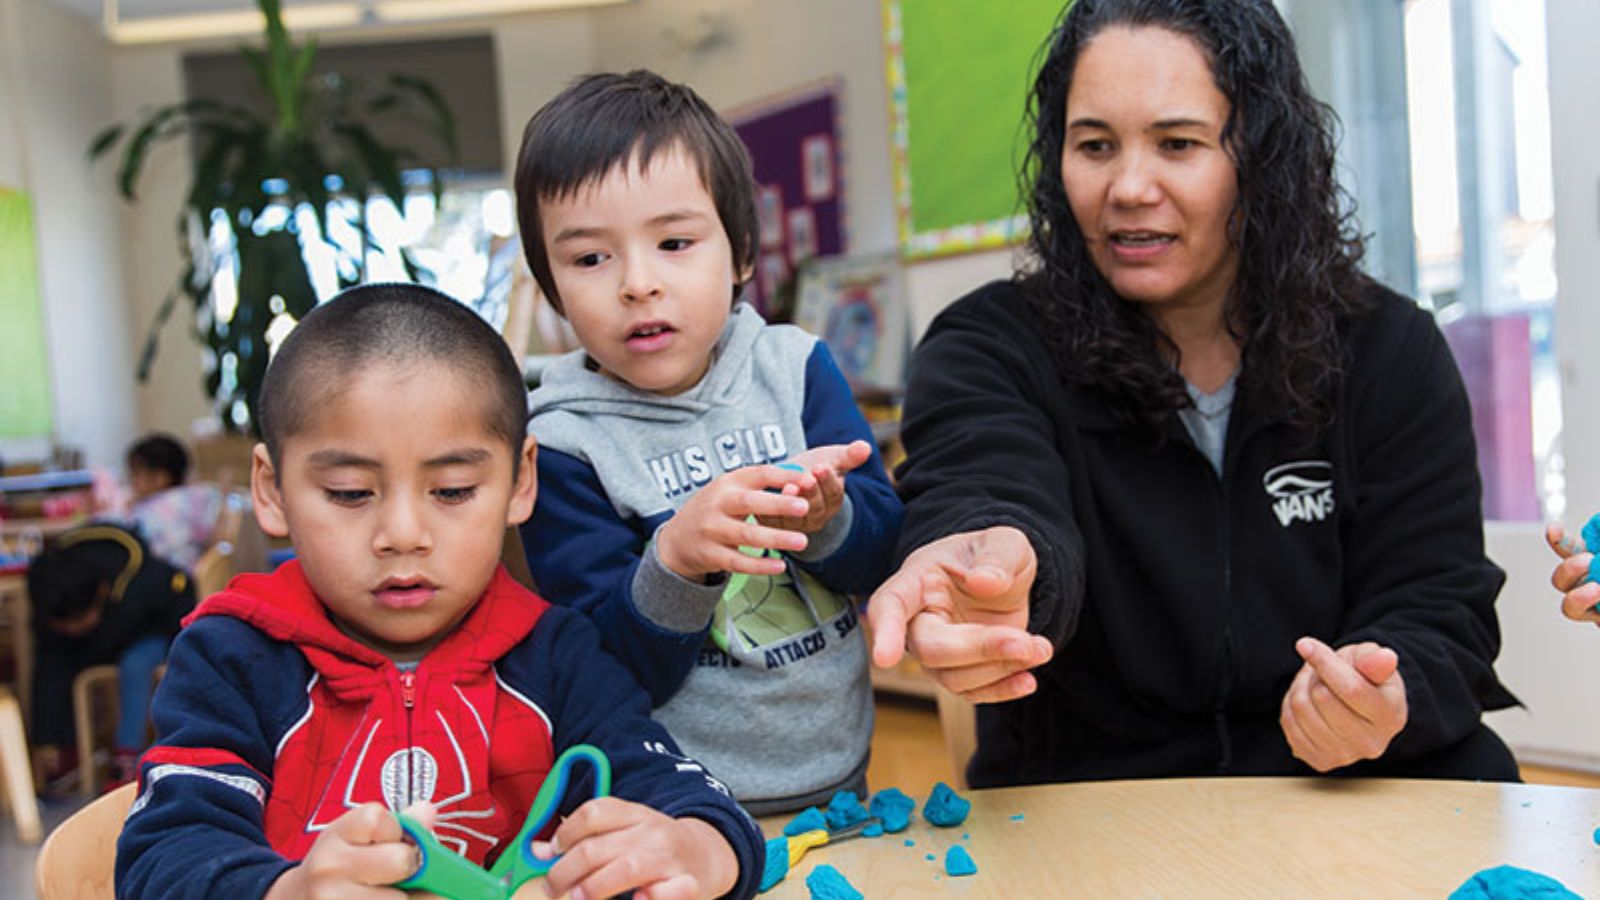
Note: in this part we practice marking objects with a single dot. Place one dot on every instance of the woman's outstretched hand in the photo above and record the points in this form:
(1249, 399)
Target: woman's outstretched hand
(959, 606)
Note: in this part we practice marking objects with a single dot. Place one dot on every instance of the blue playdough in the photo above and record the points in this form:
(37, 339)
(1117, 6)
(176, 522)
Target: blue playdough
(946, 808)
(910, 842)
(845, 810)
(777, 864)
(810, 820)
(1591, 542)
(825, 883)
(1511, 883)
(873, 830)
(957, 862)
(894, 808)
(1016, 817)
(1597, 835)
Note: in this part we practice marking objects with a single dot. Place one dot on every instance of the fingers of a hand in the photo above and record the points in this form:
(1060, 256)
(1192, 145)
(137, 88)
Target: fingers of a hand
(369, 823)
(738, 504)
(969, 681)
(888, 610)
(424, 812)
(941, 644)
(1563, 544)
(681, 886)
(1011, 687)
(368, 864)
(1571, 572)
(1377, 664)
(601, 815)
(1351, 737)
(1300, 744)
(1578, 603)
(1339, 675)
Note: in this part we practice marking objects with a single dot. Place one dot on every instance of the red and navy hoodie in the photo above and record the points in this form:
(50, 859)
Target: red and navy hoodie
(271, 723)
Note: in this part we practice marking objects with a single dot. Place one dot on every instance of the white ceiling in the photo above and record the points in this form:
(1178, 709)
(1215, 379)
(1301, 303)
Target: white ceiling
(136, 9)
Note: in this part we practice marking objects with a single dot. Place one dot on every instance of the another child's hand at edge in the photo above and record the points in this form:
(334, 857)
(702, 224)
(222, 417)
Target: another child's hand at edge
(360, 854)
(1579, 595)
(703, 538)
(828, 465)
(610, 846)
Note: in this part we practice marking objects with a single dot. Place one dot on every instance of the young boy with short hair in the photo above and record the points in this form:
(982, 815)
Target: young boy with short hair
(394, 662)
(697, 504)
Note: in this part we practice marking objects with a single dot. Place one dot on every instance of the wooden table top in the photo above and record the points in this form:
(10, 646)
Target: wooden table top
(1229, 837)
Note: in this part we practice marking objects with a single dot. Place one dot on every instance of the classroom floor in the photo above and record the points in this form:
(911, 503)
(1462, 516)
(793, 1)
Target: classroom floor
(907, 752)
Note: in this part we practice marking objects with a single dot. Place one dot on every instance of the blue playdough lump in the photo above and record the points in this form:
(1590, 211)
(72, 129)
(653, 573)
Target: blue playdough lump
(873, 830)
(1511, 883)
(945, 808)
(810, 820)
(894, 808)
(957, 862)
(777, 864)
(845, 810)
(825, 883)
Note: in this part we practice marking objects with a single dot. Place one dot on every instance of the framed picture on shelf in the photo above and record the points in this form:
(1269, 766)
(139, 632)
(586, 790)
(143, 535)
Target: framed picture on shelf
(858, 306)
(772, 272)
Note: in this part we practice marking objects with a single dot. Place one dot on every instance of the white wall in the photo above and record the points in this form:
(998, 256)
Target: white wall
(59, 63)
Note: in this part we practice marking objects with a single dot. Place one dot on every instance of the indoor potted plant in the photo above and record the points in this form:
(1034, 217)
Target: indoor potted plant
(315, 144)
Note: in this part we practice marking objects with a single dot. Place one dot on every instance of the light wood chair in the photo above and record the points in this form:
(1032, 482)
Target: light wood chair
(90, 680)
(78, 859)
(958, 720)
(16, 772)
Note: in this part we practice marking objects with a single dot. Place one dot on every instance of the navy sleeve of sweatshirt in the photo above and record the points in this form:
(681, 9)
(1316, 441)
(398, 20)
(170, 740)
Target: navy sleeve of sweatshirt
(195, 830)
(592, 700)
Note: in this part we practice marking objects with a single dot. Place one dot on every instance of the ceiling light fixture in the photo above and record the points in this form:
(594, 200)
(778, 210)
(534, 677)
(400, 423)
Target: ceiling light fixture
(345, 14)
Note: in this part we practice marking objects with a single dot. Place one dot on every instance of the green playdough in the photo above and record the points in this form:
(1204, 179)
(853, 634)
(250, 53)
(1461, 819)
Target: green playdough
(825, 883)
(1512, 883)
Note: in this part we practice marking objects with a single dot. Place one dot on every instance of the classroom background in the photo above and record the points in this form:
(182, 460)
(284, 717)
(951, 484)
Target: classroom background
(1468, 134)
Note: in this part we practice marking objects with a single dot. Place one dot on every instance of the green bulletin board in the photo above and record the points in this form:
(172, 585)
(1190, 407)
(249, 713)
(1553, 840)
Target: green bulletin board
(24, 373)
(959, 75)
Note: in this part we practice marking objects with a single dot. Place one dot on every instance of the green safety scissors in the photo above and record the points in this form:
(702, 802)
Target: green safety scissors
(448, 874)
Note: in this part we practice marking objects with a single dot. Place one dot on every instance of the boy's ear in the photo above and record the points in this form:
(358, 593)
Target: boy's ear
(266, 494)
(526, 488)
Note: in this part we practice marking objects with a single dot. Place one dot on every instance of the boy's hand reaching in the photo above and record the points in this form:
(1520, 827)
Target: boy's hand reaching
(360, 855)
(1571, 576)
(610, 846)
(828, 466)
(704, 537)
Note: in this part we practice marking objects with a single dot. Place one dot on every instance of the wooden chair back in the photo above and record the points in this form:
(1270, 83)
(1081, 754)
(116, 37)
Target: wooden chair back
(78, 859)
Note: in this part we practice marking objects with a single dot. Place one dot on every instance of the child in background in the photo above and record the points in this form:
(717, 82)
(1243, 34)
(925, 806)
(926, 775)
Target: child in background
(1571, 575)
(175, 519)
(711, 492)
(99, 596)
(394, 662)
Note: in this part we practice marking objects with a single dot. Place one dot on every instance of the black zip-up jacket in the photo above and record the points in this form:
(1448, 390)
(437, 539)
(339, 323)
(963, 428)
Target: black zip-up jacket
(1174, 597)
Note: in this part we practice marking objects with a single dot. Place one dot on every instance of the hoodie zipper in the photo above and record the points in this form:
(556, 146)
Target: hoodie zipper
(408, 696)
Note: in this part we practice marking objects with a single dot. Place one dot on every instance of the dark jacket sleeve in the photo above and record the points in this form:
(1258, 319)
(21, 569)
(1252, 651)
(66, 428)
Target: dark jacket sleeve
(592, 700)
(583, 555)
(195, 830)
(1417, 571)
(860, 557)
(982, 447)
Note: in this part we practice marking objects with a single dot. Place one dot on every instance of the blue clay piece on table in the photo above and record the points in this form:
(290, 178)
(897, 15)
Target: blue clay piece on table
(810, 820)
(845, 810)
(777, 864)
(929, 857)
(1016, 817)
(958, 862)
(825, 883)
(873, 830)
(946, 808)
(894, 808)
(1597, 835)
(910, 842)
(1512, 883)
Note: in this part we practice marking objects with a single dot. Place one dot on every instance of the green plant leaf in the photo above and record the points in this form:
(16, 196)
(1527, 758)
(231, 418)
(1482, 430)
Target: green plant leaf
(103, 141)
(379, 162)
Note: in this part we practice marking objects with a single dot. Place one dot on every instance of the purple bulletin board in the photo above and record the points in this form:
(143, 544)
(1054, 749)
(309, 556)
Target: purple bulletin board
(794, 143)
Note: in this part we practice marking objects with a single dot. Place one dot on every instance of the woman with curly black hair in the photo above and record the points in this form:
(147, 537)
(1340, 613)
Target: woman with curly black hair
(1190, 495)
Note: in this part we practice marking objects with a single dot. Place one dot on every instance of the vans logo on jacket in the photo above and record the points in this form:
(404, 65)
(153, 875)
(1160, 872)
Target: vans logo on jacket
(1301, 491)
